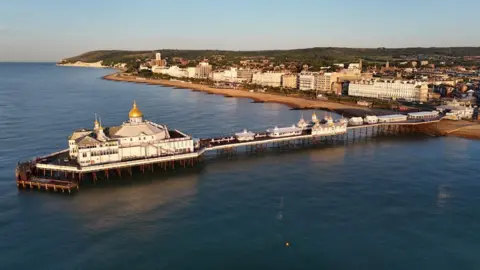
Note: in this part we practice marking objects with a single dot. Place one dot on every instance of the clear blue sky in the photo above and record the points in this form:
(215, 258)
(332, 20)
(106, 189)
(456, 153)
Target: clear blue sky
(33, 30)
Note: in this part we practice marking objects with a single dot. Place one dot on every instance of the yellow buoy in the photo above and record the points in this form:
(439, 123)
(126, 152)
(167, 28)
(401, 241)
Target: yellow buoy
(287, 244)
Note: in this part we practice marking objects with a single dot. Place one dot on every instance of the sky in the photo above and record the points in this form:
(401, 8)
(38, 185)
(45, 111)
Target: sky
(48, 30)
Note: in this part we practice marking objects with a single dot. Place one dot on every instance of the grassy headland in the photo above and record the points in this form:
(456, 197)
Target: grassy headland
(314, 57)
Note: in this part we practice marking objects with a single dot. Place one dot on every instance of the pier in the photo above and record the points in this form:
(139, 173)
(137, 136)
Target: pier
(353, 133)
(56, 172)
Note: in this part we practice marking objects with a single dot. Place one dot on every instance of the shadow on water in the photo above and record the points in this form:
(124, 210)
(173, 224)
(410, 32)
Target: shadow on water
(160, 177)
(245, 158)
(139, 178)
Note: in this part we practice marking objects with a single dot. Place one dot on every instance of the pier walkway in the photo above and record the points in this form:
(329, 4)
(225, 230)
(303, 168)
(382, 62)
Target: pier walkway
(107, 166)
(58, 173)
(225, 142)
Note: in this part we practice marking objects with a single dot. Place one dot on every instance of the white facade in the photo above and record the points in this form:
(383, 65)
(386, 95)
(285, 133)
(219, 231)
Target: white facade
(413, 91)
(245, 136)
(284, 131)
(173, 71)
(454, 110)
(191, 72)
(355, 121)
(229, 75)
(134, 139)
(216, 76)
(329, 127)
(392, 118)
(306, 81)
(370, 119)
(272, 79)
(203, 70)
(423, 115)
(160, 69)
(177, 72)
(245, 75)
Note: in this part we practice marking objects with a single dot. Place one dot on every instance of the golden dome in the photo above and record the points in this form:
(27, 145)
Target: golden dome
(135, 112)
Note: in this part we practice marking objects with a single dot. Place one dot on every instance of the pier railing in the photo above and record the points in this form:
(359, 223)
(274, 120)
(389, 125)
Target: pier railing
(116, 165)
(210, 144)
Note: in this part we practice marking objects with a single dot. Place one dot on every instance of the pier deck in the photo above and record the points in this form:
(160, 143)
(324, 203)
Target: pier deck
(57, 172)
(230, 141)
(63, 166)
(48, 184)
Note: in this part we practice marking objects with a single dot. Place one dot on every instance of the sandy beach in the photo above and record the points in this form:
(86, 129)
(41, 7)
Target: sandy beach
(348, 110)
(464, 129)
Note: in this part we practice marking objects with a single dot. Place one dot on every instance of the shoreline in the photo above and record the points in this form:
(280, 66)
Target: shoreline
(295, 103)
(462, 128)
(83, 64)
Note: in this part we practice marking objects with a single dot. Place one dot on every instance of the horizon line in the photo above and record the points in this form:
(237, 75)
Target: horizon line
(290, 49)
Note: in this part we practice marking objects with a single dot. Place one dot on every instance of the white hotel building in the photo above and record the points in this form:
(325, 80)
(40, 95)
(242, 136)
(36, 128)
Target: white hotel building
(389, 89)
(273, 79)
(134, 139)
(307, 81)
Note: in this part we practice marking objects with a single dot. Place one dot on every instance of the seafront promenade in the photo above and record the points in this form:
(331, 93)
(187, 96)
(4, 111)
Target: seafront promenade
(293, 102)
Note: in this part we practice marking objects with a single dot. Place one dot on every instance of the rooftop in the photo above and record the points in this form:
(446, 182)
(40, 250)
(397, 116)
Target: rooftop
(391, 116)
(285, 129)
(423, 113)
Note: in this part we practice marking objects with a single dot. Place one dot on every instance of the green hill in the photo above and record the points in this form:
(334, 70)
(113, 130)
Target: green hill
(310, 55)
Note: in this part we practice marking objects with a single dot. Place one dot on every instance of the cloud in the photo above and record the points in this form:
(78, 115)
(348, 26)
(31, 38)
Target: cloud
(3, 28)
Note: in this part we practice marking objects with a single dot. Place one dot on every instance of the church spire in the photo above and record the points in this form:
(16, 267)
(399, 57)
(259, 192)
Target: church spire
(96, 124)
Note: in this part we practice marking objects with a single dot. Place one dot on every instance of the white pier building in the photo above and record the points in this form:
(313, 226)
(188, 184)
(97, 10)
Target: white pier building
(328, 127)
(136, 138)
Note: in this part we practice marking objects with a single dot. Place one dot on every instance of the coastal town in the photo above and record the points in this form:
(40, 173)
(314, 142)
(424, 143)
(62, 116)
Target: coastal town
(410, 83)
(413, 81)
(239, 135)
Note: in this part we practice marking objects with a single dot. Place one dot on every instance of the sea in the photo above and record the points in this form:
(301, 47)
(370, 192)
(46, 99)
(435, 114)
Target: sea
(390, 203)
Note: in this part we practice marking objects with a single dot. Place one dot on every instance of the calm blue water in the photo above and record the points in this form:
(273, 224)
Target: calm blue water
(389, 204)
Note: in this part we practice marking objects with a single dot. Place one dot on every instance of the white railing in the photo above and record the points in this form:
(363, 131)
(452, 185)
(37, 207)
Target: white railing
(54, 154)
(122, 164)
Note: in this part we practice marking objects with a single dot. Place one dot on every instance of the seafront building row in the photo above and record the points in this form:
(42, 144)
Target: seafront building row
(351, 80)
(389, 89)
(305, 81)
(327, 82)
